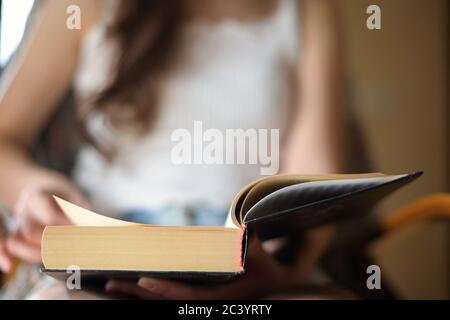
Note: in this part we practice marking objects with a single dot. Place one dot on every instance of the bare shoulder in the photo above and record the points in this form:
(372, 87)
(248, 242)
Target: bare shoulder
(57, 12)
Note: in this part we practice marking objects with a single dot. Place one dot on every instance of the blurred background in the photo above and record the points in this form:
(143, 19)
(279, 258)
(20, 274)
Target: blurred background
(398, 79)
(399, 86)
(399, 82)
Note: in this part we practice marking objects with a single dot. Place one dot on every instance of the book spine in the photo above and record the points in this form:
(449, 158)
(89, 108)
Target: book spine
(243, 246)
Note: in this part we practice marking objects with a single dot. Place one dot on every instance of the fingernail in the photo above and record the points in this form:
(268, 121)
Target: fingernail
(148, 283)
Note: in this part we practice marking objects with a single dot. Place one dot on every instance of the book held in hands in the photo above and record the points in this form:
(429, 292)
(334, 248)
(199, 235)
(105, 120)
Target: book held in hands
(271, 207)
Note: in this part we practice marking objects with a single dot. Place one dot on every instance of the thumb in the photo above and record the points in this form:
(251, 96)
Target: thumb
(6, 260)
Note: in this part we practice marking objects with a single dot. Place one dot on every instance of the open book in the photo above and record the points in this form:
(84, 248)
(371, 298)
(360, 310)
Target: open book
(271, 207)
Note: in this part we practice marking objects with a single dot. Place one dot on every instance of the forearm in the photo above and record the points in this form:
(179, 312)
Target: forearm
(314, 151)
(316, 143)
(31, 88)
(315, 148)
(317, 139)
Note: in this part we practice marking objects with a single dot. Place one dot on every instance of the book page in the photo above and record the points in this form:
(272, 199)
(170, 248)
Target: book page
(83, 217)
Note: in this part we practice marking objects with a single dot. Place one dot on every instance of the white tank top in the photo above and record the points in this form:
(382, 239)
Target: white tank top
(232, 75)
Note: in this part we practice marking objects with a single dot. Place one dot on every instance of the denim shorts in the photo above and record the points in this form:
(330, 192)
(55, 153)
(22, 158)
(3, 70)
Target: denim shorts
(178, 216)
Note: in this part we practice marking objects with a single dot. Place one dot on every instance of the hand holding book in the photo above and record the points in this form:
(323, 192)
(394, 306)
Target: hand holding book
(264, 276)
(34, 210)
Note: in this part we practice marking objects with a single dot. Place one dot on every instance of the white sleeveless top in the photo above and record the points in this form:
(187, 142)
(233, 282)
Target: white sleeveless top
(232, 75)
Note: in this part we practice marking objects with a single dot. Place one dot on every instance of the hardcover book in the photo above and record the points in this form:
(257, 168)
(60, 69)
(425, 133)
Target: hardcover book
(103, 247)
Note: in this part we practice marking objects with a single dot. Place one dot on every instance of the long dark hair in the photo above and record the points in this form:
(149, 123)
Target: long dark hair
(146, 31)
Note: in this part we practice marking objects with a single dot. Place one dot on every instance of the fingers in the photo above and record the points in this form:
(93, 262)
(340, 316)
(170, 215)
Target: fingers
(32, 232)
(34, 210)
(39, 206)
(6, 261)
(254, 246)
(130, 288)
(257, 256)
(22, 249)
(238, 289)
(170, 289)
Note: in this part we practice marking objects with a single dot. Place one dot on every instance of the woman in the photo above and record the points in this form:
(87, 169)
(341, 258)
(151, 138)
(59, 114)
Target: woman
(142, 69)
